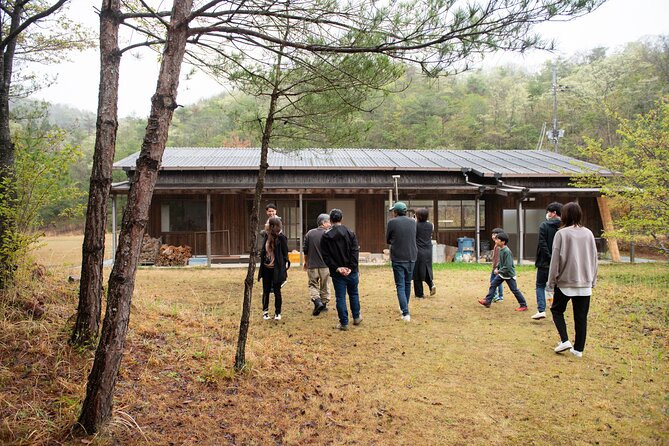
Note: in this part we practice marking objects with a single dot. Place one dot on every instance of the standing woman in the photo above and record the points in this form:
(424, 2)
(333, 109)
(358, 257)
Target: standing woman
(572, 274)
(274, 264)
(423, 270)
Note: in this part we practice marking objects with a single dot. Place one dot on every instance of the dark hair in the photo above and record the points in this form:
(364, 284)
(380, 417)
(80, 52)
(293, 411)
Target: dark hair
(273, 231)
(422, 214)
(503, 236)
(571, 214)
(555, 207)
(497, 231)
(335, 215)
(270, 206)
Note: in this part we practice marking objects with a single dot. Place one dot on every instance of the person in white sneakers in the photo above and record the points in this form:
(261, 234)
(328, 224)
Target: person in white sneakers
(547, 232)
(572, 275)
(317, 270)
(274, 265)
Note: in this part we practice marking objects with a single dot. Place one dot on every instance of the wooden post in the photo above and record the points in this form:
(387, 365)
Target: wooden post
(607, 221)
(209, 229)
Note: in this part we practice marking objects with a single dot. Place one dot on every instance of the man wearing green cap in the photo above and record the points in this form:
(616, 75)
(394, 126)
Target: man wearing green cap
(401, 236)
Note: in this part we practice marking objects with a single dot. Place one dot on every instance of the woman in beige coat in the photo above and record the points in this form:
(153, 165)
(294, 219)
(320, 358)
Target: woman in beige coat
(572, 274)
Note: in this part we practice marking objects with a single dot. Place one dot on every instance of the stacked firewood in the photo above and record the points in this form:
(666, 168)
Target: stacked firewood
(173, 255)
(150, 250)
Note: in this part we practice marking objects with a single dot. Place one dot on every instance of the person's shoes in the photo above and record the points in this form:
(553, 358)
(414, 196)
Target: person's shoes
(575, 353)
(539, 315)
(406, 318)
(265, 315)
(562, 346)
(433, 290)
(325, 308)
(277, 317)
(357, 320)
(342, 327)
(318, 307)
(521, 308)
(420, 297)
(496, 298)
(484, 303)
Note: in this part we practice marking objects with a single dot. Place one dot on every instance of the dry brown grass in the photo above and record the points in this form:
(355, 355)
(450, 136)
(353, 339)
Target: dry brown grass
(64, 252)
(457, 374)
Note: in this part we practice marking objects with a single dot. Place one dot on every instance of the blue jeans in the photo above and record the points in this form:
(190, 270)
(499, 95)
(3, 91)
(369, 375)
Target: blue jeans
(341, 285)
(497, 281)
(403, 272)
(500, 288)
(542, 278)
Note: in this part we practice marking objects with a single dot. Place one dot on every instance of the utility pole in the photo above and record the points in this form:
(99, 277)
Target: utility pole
(555, 134)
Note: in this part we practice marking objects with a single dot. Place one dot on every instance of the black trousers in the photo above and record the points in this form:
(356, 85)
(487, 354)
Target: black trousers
(581, 306)
(418, 283)
(267, 278)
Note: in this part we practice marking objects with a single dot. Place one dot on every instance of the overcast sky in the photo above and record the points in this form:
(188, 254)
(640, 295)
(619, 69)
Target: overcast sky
(612, 25)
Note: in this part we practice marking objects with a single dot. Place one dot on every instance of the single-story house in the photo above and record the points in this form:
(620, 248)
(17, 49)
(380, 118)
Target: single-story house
(203, 196)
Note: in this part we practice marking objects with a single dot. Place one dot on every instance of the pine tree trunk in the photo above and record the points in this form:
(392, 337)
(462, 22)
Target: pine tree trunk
(90, 289)
(240, 357)
(97, 406)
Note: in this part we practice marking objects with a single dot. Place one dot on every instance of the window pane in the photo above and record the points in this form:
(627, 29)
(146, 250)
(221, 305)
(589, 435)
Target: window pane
(289, 211)
(450, 214)
(510, 221)
(482, 208)
(414, 205)
(469, 213)
(187, 215)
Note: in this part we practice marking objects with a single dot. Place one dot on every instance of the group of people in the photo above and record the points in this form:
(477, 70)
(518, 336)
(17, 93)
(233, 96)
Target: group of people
(331, 252)
(566, 263)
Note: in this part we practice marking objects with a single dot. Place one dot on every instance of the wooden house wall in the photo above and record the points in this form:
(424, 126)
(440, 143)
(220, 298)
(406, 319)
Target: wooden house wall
(229, 212)
(370, 222)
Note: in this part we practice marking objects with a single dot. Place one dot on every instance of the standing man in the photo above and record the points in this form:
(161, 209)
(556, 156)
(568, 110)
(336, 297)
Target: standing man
(317, 271)
(340, 251)
(401, 236)
(270, 211)
(547, 231)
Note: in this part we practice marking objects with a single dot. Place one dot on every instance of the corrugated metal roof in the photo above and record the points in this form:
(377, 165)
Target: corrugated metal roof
(486, 162)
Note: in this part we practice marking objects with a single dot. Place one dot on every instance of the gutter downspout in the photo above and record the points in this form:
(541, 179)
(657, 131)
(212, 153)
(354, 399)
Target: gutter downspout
(523, 191)
(301, 231)
(482, 188)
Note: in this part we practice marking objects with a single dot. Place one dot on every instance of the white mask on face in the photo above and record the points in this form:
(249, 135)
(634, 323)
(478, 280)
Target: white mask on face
(548, 215)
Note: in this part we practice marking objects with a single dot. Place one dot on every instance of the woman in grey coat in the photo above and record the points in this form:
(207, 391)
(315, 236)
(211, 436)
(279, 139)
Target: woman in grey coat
(423, 270)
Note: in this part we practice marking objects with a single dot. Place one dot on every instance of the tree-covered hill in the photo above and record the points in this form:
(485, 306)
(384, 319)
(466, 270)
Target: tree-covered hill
(497, 108)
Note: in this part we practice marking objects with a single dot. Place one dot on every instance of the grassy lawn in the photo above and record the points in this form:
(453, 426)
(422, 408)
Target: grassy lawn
(457, 374)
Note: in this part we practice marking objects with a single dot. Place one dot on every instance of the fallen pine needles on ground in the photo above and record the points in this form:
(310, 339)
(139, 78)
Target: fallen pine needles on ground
(458, 373)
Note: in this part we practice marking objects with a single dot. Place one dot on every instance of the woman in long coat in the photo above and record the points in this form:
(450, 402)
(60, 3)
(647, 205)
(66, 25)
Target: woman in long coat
(274, 264)
(423, 269)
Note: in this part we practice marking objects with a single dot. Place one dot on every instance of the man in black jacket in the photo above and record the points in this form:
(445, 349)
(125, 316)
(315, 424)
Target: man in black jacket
(547, 232)
(401, 236)
(340, 251)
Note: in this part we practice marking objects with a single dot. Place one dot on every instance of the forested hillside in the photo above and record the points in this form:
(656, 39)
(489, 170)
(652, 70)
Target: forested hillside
(497, 108)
